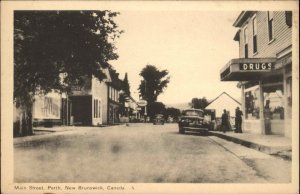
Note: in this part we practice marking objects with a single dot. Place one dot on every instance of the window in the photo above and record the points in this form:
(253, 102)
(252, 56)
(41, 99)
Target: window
(271, 25)
(97, 108)
(252, 104)
(289, 18)
(246, 41)
(109, 89)
(94, 108)
(254, 35)
(113, 94)
(274, 103)
(289, 97)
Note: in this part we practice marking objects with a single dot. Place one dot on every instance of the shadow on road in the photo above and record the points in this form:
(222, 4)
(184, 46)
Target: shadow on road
(190, 133)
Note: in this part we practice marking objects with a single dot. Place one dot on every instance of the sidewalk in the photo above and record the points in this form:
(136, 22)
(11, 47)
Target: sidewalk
(38, 130)
(269, 144)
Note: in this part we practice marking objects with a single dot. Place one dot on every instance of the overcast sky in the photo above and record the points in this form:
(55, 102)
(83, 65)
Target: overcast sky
(192, 45)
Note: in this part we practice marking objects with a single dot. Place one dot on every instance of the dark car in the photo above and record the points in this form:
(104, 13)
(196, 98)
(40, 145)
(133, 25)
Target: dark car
(158, 119)
(192, 120)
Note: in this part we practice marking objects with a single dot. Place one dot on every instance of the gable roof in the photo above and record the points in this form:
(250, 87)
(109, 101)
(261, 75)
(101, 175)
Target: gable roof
(115, 81)
(223, 93)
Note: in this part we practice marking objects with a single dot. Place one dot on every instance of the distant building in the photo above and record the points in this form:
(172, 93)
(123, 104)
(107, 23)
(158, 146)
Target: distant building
(88, 105)
(221, 102)
(114, 89)
(264, 70)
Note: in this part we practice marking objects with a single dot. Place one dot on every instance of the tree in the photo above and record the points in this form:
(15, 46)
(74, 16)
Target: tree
(154, 82)
(124, 96)
(126, 86)
(156, 108)
(199, 103)
(173, 112)
(49, 43)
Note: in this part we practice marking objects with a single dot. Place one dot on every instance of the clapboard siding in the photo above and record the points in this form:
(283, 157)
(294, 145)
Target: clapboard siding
(282, 35)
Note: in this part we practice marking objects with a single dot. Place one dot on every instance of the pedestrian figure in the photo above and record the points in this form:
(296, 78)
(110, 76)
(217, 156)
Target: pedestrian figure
(224, 123)
(238, 120)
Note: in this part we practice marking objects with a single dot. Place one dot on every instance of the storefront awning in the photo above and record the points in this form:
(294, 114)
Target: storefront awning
(247, 69)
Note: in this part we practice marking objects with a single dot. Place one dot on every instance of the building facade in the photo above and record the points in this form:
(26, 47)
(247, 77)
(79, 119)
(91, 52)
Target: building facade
(114, 90)
(87, 105)
(264, 70)
(48, 108)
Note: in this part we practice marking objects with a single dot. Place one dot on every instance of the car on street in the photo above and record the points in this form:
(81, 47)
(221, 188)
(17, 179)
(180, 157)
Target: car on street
(192, 120)
(158, 119)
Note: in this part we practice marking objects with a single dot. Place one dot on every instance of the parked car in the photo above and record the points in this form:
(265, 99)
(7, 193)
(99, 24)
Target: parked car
(158, 119)
(192, 120)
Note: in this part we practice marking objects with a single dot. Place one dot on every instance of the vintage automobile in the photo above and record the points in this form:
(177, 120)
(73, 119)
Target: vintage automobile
(158, 119)
(192, 120)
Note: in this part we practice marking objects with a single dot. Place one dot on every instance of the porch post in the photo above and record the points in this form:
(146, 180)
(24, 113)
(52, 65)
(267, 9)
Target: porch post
(261, 109)
(243, 106)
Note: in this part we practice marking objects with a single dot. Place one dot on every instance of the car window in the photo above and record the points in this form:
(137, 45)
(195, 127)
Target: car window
(193, 113)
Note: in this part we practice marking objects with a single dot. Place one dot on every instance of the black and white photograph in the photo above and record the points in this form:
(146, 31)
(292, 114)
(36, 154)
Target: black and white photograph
(149, 97)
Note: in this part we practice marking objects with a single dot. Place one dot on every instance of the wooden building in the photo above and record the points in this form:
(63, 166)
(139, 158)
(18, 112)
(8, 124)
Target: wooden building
(264, 70)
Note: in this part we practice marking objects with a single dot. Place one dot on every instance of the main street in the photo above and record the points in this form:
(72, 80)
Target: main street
(141, 153)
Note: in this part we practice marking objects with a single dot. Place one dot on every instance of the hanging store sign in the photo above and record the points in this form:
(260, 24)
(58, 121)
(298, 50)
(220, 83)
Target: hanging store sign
(256, 66)
(142, 103)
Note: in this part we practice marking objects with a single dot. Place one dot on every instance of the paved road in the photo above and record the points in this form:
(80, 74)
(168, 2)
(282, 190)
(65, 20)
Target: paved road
(141, 153)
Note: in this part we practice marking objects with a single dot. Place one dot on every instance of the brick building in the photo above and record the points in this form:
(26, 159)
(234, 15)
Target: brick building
(264, 70)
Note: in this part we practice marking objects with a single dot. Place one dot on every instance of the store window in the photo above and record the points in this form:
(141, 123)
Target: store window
(289, 97)
(252, 104)
(274, 102)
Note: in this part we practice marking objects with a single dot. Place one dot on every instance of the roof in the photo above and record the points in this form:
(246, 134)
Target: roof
(237, 36)
(115, 81)
(242, 18)
(221, 95)
(193, 109)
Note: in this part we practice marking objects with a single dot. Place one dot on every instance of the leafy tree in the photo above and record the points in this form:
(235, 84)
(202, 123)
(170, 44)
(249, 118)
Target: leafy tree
(199, 103)
(173, 112)
(156, 108)
(154, 82)
(49, 43)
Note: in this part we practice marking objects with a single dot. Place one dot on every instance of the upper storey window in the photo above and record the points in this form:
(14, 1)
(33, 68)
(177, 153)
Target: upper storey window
(271, 25)
(254, 35)
(246, 42)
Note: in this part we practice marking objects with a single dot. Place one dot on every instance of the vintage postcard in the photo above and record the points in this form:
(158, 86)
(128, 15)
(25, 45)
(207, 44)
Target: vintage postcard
(149, 97)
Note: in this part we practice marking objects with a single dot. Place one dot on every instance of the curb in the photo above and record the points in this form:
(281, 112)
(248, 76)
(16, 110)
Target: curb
(259, 147)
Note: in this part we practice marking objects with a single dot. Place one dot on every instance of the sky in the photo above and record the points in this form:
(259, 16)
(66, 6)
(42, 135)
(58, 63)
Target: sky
(192, 45)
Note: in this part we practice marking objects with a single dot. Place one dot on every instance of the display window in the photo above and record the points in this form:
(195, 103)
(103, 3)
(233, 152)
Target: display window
(274, 103)
(289, 97)
(252, 103)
